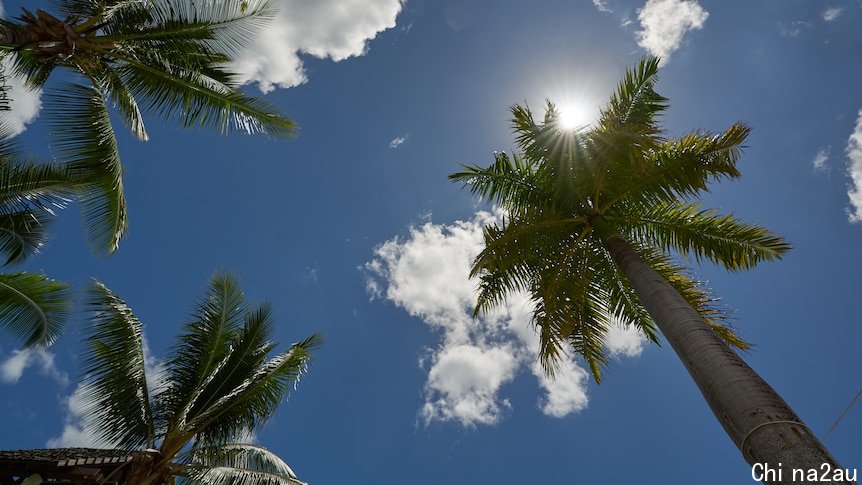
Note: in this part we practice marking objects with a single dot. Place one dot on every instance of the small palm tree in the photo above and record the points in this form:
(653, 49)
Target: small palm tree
(218, 385)
(32, 306)
(165, 57)
(595, 216)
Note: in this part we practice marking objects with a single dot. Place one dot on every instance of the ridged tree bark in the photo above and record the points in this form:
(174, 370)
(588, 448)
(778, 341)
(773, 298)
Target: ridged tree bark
(757, 419)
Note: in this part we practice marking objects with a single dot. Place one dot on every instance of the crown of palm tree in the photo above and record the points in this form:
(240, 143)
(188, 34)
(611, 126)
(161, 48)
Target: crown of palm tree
(163, 57)
(219, 383)
(567, 191)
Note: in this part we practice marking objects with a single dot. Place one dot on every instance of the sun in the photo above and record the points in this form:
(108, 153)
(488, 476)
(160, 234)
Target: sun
(574, 116)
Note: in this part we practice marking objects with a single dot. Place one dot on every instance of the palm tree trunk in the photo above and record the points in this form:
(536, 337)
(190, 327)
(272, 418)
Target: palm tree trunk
(763, 427)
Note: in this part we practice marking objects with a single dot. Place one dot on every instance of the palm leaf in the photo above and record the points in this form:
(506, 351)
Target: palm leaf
(22, 234)
(635, 102)
(680, 168)
(256, 397)
(115, 382)
(203, 346)
(200, 101)
(703, 234)
(33, 307)
(239, 463)
(228, 26)
(84, 137)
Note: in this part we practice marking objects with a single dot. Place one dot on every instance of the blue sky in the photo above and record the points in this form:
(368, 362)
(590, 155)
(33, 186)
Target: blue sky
(352, 230)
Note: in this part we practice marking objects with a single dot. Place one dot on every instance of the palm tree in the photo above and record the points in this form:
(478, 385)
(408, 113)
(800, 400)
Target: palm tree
(218, 385)
(164, 57)
(595, 216)
(32, 306)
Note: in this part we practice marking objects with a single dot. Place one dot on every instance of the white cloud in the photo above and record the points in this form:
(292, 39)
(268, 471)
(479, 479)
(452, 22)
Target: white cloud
(602, 5)
(665, 22)
(831, 14)
(77, 431)
(821, 158)
(397, 141)
(854, 155)
(464, 380)
(13, 368)
(24, 103)
(426, 274)
(334, 29)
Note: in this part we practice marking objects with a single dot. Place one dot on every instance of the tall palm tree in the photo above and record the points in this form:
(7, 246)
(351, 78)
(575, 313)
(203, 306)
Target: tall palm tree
(595, 216)
(32, 306)
(164, 57)
(218, 385)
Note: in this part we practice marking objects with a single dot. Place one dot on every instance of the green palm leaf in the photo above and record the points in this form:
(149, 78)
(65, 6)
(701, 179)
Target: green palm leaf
(199, 101)
(228, 26)
(85, 138)
(704, 234)
(239, 463)
(115, 382)
(256, 396)
(33, 307)
(203, 346)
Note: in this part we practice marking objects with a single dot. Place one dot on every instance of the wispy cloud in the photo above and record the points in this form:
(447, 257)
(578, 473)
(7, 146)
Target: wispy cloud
(334, 29)
(602, 5)
(12, 369)
(831, 14)
(793, 29)
(664, 23)
(854, 155)
(821, 158)
(426, 274)
(398, 141)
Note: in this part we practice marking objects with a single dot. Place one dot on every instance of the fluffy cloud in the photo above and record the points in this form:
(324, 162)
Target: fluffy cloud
(426, 274)
(665, 22)
(334, 29)
(24, 103)
(854, 155)
(13, 367)
(831, 14)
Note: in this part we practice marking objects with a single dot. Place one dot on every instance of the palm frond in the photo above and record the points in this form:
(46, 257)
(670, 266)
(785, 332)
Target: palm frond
(239, 463)
(115, 382)
(200, 101)
(22, 234)
(511, 182)
(681, 168)
(516, 254)
(205, 343)
(25, 184)
(228, 26)
(256, 397)
(111, 83)
(33, 307)
(635, 102)
(84, 137)
(687, 229)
